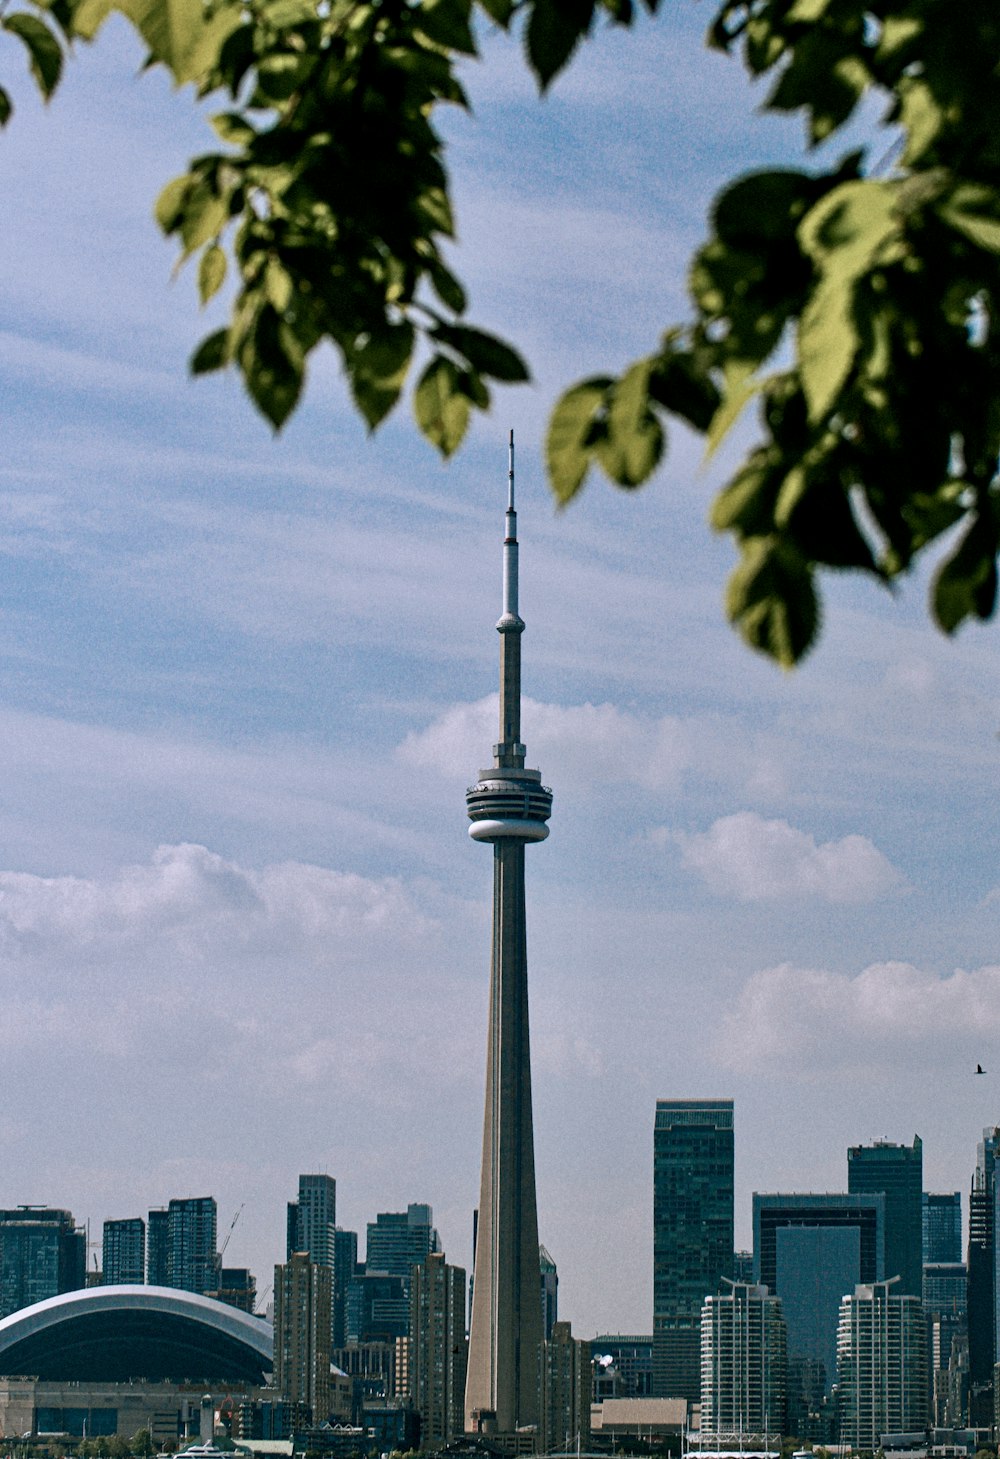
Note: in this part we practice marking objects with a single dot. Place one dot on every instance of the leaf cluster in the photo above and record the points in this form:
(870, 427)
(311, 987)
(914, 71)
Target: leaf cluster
(857, 307)
(327, 204)
(42, 29)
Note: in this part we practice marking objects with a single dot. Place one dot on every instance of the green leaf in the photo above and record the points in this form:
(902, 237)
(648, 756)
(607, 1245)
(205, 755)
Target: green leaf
(682, 384)
(484, 352)
(181, 34)
(771, 599)
(211, 354)
(203, 215)
(279, 76)
(284, 14)
(502, 11)
(377, 370)
(211, 271)
(762, 207)
(272, 362)
(6, 107)
(446, 23)
(554, 29)
(571, 436)
(921, 115)
(975, 211)
(853, 228)
(447, 287)
(745, 505)
(169, 206)
(42, 46)
(440, 406)
(631, 446)
(89, 16)
(966, 583)
(741, 385)
(232, 127)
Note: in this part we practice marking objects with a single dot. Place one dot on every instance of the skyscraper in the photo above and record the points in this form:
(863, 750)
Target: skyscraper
(550, 1291)
(158, 1247)
(345, 1261)
(942, 1226)
(508, 807)
(564, 1392)
(810, 1250)
(983, 1274)
(881, 1365)
(124, 1253)
(302, 1295)
(312, 1219)
(42, 1253)
(192, 1260)
(896, 1171)
(438, 1349)
(743, 1367)
(400, 1240)
(692, 1232)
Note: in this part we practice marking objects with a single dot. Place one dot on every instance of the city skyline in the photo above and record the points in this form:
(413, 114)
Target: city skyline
(242, 931)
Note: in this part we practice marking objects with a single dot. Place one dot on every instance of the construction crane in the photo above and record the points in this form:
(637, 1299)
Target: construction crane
(229, 1233)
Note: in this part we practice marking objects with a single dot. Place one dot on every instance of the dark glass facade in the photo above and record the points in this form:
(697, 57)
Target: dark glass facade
(692, 1233)
(124, 1252)
(897, 1171)
(42, 1253)
(942, 1228)
(982, 1278)
(158, 1248)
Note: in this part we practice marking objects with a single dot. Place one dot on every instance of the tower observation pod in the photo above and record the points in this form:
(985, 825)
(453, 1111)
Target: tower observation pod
(508, 806)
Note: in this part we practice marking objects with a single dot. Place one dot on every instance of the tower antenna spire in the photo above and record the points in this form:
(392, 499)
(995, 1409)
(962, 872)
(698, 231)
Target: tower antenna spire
(508, 808)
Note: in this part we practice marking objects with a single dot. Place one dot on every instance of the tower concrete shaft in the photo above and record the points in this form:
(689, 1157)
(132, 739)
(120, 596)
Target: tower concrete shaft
(508, 807)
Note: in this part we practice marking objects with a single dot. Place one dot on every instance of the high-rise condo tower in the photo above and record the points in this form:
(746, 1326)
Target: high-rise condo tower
(508, 807)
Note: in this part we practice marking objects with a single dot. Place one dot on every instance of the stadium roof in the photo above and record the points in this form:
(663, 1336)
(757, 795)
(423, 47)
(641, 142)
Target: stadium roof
(112, 1334)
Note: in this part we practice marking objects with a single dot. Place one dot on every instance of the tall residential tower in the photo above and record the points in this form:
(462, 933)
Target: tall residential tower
(508, 807)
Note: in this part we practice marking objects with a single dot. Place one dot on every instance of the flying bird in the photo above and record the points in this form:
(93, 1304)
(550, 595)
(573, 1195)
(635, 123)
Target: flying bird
(980, 1069)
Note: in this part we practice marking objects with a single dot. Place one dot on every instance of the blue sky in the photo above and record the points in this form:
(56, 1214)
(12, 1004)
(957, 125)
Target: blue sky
(245, 682)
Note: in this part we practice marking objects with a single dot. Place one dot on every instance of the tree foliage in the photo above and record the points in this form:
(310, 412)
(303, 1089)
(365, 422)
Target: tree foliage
(854, 307)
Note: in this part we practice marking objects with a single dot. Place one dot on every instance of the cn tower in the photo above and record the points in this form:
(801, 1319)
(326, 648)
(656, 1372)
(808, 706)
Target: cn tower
(508, 807)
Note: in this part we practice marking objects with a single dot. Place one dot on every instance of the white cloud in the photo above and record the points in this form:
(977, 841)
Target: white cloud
(754, 860)
(799, 1015)
(587, 744)
(191, 893)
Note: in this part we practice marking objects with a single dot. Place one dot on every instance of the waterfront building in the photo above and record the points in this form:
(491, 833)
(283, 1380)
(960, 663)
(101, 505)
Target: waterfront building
(303, 1291)
(743, 1368)
(897, 1172)
(311, 1220)
(942, 1227)
(508, 808)
(881, 1366)
(564, 1392)
(438, 1351)
(810, 1250)
(124, 1252)
(42, 1253)
(692, 1232)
